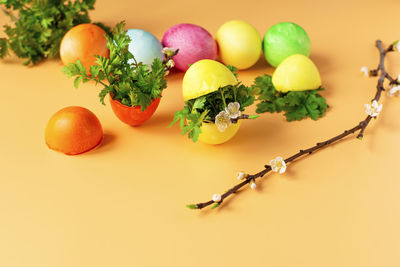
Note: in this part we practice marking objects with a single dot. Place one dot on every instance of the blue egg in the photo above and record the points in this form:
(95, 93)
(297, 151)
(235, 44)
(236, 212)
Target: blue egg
(144, 46)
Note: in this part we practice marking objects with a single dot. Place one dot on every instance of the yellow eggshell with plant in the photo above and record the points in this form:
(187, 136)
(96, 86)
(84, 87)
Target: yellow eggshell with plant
(205, 76)
(214, 101)
(211, 135)
(293, 89)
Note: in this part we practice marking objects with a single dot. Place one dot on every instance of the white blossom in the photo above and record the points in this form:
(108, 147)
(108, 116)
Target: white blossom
(170, 64)
(216, 198)
(394, 90)
(233, 110)
(241, 175)
(253, 185)
(365, 71)
(222, 121)
(278, 165)
(373, 109)
(168, 51)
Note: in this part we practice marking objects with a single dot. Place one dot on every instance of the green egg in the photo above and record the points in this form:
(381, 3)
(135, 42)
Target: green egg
(283, 40)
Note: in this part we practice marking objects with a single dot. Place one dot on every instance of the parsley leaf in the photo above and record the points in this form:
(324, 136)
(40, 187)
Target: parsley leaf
(133, 84)
(233, 69)
(296, 105)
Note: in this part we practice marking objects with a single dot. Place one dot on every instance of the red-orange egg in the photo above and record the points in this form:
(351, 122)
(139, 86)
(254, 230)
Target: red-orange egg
(83, 42)
(73, 130)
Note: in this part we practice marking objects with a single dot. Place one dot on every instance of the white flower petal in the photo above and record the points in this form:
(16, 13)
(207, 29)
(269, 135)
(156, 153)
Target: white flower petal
(393, 91)
(241, 175)
(168, 50)
(216, 198)
(282, 170)
(233, 110)
(278, 165)
(364, 70)
(373, 109)
(222, 127)
(253, 185)
(170, 64)
(222, 121)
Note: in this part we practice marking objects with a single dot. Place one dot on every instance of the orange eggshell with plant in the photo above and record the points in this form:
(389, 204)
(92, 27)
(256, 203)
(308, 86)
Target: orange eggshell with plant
(133, 116)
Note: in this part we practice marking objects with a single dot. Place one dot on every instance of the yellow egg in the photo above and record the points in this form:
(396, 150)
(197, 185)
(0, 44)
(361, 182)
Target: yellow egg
(296, 73)
(205, 76)
(239, 44)
(211, 135)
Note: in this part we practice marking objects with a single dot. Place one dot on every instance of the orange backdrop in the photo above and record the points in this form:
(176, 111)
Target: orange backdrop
(123, 204)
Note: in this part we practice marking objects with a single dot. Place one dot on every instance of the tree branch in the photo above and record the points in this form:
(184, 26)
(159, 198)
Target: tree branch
(361, 126)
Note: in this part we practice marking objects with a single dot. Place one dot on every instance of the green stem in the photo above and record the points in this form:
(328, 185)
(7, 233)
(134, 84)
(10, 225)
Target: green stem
(223, 98)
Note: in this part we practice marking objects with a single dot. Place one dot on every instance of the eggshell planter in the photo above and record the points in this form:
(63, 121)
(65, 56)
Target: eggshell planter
(212, 136)
(133, 116)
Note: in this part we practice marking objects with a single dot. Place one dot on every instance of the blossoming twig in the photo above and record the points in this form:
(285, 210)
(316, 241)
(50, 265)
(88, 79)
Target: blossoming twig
(361, 126)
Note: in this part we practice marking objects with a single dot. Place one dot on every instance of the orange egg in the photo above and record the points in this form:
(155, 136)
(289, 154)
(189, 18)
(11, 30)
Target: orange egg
(73, 130)
(83, 42)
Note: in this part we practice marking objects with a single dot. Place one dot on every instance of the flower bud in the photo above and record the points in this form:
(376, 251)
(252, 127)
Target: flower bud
(253, 185)
(242, 175)
(216, 198)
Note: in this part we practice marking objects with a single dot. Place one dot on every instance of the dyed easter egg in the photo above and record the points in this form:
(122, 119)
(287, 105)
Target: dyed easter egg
(144, 46)
(239, 44)
(194, 43)
(285, 39)
(83, 42)
(296, 73)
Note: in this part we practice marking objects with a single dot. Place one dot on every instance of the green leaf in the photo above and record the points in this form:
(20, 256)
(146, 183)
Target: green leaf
(233, 69)
(81, 68)
(103, 93)
(94, 70)
(192, 206)
(4, 46)
(77, 81)
(252, 117)
(199, 103)
(216, 205)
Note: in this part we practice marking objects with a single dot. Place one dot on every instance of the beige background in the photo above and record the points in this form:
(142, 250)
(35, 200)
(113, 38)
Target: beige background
(123, 204)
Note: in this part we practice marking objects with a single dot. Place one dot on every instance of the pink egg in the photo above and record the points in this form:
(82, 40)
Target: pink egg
(194, 43)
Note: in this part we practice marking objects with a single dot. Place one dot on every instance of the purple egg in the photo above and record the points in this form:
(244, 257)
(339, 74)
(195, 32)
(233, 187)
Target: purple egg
(194, 43)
